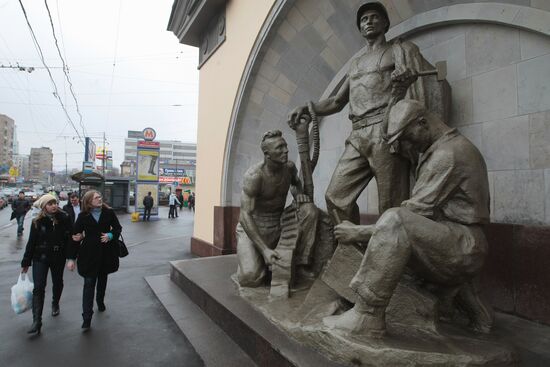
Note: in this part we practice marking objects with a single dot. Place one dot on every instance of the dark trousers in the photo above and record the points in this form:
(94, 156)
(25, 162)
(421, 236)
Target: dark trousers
(88, 293)
(20, 221)
(172, 211)
(146, 213)
(40, 267)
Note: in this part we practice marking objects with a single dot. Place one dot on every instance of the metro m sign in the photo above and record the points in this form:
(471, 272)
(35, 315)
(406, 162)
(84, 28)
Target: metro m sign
(149, 134)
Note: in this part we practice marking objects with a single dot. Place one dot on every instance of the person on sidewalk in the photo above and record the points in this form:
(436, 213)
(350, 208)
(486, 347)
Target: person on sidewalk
(148, 203)
(192, 201)
(173, 201)
(95, 247)
(73, 207)
(20, 207)
(46, 250)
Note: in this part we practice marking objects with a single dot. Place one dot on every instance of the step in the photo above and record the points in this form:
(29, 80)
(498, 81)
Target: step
(214, 346)
(207, 281)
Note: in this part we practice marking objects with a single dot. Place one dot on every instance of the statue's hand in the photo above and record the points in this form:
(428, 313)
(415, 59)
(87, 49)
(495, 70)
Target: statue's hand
(401, 80)
(295, 117)
(302, 198)
(347, 232)
(271, 256)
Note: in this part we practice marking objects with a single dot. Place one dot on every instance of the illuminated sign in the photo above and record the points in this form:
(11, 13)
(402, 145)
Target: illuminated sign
(149, 134)
(148, 144)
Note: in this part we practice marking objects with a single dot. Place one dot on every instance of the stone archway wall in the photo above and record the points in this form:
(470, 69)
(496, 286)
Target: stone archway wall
(497, 55)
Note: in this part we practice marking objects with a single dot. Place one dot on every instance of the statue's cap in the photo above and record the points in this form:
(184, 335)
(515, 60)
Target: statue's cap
(373, 5)
(402, 114)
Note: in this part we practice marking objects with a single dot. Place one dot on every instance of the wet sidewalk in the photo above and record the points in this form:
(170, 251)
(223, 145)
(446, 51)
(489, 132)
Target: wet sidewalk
(135, 330)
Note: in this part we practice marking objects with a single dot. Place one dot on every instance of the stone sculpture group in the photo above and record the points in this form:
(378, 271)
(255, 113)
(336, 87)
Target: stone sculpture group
(426, 249)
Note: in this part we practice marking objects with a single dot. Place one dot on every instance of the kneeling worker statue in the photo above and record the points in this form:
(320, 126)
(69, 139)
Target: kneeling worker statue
(265, 188)
(436, 234)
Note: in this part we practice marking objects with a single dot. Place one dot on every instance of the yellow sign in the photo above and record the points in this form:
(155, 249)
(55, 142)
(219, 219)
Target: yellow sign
(14, 171)
(148, 165)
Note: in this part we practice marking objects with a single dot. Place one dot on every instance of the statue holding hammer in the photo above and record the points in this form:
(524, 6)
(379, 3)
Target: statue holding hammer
(378, 77)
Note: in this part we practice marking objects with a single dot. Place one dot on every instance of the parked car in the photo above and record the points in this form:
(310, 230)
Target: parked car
(3, 202)
(31, 195)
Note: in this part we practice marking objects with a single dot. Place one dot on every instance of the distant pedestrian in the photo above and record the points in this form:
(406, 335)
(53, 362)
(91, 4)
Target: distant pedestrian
(192, 201)
(148, 203)
(173, 209)
(73, 207)
(20, 207)
(46, 250)
(180, 198)
(95, 247)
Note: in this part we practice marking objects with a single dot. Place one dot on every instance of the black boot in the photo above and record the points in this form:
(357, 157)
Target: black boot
(37, 306)
(35, 327)
(101, 306)
(86, 324)
(55, 308)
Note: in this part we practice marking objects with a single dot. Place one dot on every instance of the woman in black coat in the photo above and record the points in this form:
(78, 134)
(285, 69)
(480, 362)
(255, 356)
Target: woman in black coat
(95, 247)
(46, 250)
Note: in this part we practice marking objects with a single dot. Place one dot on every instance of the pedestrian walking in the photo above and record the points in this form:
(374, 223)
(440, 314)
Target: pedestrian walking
(95, 249)
(20, 207)
(173, 201)
(148, 203)
(73, 207)
(180, 198)
(192, 201)
(46, 250)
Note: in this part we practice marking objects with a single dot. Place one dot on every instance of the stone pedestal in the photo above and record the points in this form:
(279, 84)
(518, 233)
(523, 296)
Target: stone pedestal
(283, 332)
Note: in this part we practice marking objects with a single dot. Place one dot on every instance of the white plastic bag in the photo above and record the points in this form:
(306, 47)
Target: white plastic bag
(21, 294)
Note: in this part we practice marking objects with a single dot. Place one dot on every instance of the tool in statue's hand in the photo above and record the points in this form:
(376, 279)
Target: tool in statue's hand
(339, 221)
(440, 71)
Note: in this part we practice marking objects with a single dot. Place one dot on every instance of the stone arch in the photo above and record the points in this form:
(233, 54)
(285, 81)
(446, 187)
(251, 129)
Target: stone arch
(271, 86)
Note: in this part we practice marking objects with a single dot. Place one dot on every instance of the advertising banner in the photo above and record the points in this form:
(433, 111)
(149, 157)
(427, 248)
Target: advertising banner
(142, 189)
(147, 165)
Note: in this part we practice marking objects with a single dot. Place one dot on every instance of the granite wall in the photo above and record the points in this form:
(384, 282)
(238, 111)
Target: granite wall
(497, 55)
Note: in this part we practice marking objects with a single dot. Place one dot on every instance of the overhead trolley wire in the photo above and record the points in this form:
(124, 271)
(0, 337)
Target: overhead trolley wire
(65, 70)
(54, 85)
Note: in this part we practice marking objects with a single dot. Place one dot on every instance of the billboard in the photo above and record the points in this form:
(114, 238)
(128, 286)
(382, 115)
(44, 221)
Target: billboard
(172, 171)
(148, 165)
(142, 189)
(89, 151)
(99, 154)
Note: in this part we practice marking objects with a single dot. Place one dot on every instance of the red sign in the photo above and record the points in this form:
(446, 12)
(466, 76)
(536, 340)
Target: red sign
(149, 134)
(148, 144)
(171, 179)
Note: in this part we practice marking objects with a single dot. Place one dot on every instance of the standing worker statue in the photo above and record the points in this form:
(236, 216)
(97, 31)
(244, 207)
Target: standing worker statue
(378, 77)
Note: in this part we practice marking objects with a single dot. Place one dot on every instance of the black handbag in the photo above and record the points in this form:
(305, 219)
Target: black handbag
(122, 249)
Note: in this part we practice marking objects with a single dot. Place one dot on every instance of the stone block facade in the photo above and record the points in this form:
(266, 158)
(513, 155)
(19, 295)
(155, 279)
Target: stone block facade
(497, 56)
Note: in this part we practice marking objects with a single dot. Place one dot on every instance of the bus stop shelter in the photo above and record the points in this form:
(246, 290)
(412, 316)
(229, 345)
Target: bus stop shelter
(115, 190)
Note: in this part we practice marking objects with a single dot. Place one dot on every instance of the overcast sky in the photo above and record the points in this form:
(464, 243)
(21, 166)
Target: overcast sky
(128, 72)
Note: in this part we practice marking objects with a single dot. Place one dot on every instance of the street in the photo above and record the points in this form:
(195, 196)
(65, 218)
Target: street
(135, 330)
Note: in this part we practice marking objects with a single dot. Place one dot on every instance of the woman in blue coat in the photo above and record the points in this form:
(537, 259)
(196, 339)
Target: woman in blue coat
(96, 251)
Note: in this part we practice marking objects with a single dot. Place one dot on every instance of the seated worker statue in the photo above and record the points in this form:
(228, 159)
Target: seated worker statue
(436, 234)
(265, 189)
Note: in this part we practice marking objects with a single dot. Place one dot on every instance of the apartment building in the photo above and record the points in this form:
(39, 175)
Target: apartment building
(40, 162)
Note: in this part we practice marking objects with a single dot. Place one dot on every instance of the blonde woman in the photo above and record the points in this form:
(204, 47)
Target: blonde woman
(46, 250)
(95, 248)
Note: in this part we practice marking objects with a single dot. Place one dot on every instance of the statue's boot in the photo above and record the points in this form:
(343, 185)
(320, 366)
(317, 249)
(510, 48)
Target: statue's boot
(479, 313)
(361, 319)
